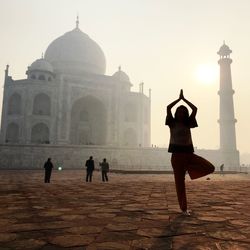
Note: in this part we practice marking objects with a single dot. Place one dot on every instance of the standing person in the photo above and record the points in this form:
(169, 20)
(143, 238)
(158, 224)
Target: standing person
(90, 165)
(105, 169)
(181, 146)
(221, 169)
(48, 169)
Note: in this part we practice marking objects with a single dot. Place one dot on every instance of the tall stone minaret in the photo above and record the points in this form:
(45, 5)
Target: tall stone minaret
(229, 152)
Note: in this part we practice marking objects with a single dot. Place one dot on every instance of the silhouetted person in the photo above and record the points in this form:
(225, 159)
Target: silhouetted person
(181, 146)
(90, 165)
(221, 169)
(105, 169)
(48, 169)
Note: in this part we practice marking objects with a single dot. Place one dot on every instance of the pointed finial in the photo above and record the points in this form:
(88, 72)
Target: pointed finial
(6, 71)
(119, 68)
(142, 83)
(42, 55)
(223, 42)
(77, 21)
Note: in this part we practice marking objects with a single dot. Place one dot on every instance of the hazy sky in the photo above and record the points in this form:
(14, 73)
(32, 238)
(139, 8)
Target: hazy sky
(159, 42)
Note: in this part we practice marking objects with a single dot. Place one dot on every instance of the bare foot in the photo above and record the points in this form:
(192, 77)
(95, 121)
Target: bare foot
(186, 213)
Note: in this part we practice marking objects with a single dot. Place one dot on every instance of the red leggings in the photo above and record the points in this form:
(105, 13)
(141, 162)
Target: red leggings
(196, 167)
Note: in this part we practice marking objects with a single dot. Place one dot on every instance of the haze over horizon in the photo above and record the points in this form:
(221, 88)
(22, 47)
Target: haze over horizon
(162, 43)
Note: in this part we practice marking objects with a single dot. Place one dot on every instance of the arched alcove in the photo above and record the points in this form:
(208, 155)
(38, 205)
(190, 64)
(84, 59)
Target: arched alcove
(40, 134)
(14, 104)
(88, 122)
(41, 105)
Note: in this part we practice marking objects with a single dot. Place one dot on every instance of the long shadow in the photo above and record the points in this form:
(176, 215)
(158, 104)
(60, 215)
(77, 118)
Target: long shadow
(174, 228)
(193, 233)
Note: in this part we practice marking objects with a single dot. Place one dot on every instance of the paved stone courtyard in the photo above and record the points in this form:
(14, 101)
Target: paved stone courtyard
(129, 212)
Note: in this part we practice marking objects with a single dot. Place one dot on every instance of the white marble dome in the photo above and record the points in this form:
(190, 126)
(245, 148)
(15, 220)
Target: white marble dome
(76, 53)
(41, 65)
(121, 75)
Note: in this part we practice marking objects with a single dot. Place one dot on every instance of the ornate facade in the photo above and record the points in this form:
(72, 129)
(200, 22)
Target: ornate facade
(68, 99)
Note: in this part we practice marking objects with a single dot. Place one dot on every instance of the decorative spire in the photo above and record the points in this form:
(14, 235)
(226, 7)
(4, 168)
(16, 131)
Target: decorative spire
(141, 87)
(42, 56)
(7, 70)
(77, 21)
(119, 68)
(6, 74)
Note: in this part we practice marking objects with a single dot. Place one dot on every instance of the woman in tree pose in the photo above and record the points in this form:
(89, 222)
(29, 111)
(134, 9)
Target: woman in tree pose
(181, 146)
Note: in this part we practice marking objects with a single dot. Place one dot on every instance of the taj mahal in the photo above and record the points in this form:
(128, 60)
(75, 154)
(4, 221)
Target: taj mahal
(68, 99)
(68, 107)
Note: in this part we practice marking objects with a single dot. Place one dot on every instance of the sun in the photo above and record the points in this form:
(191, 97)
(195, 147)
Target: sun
(207, 73)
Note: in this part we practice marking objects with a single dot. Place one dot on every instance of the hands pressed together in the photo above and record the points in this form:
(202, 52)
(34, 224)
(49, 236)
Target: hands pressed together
(181, 97)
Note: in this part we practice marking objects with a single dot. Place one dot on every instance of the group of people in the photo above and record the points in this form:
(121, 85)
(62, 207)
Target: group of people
(90, 167)
(183, 159)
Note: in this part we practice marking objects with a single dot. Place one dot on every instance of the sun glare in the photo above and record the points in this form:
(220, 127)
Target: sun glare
(207, 73)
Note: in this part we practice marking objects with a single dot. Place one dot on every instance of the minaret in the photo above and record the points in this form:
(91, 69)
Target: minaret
(229, 153)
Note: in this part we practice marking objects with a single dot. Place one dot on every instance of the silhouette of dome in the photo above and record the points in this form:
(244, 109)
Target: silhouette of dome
(121, 75)
(75, 53)
(41, 65)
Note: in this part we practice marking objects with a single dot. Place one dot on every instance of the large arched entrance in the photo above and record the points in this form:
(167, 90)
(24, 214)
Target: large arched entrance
(88, 122)
(40, 134)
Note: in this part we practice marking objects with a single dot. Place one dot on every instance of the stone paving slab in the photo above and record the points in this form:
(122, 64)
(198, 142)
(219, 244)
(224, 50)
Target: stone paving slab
(129, 212)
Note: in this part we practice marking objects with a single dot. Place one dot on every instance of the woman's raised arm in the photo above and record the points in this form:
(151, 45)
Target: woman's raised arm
(171, 105)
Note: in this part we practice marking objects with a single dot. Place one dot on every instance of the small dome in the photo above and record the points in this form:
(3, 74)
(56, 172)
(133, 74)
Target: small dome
(75, 53)
(41, 65)
(224, 50)
(121, 75)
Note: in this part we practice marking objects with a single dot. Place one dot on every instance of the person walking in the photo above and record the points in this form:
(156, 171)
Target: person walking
(90, 165)
(48, 169)
(183, 158)
(105, 169)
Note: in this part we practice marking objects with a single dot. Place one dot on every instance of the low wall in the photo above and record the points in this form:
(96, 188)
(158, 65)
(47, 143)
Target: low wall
(14, 156)
(34, 156)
